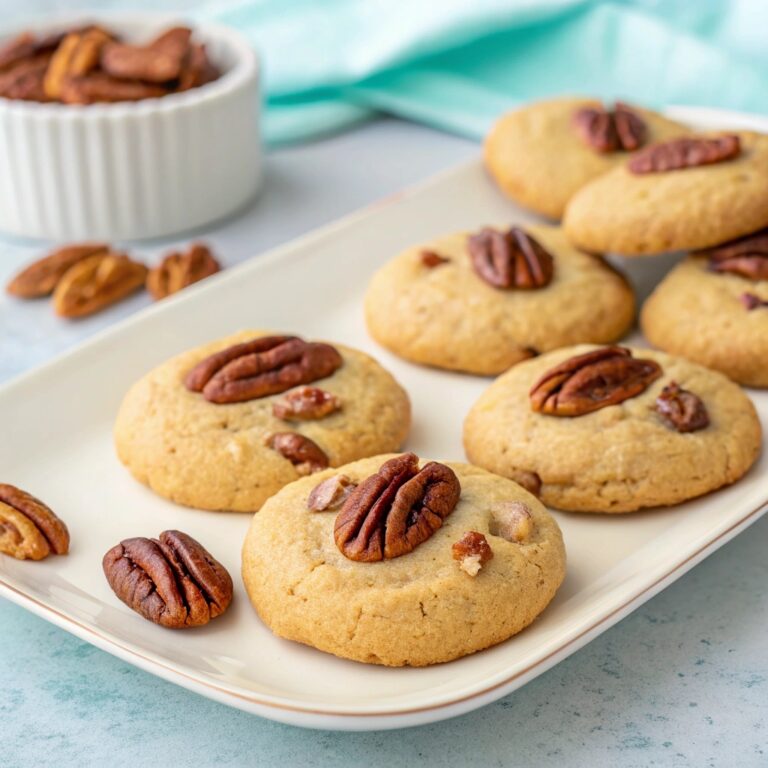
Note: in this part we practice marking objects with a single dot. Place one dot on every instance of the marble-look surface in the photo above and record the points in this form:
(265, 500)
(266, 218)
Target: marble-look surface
(681, 682)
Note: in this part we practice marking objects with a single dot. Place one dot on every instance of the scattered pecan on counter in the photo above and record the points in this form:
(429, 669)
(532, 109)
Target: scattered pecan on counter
(172, 580)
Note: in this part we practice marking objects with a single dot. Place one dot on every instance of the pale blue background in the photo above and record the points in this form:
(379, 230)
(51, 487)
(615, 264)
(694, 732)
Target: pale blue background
(682, 682)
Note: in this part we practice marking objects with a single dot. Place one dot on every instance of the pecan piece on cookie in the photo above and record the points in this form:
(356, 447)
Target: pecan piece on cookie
(510, 259)
(680, 409)
(591, 381)
(678, 154)
(752, 301)
(511, 520)
(77, 55)
(306, 455)
(97, 282)
(267, 365)
(179, 269)
(472, 551)
(432, 259)
(392, 512)
(305, 404)
(158, 62)
(610, 131)
(331, 493)
(745, 256)
(29, 529)
(172, 581)
(42, 276)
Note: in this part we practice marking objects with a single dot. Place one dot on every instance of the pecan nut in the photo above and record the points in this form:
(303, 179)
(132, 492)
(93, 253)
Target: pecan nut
(172, 581)
(591, 381)
(678, 154)
(177, 270)
(96, 282)
(531, 481)
(306, 455)
(77, 54)
(158, 62)
(392, 512)
(304, 404)
(29, 529)
(472, 551)
(680, 409)
(610, 131)
(752, 301)
(267, 365)
(331, 493)
(510, 259)
(197, 69)
(432, 259)
(24, 80)
(511, 520)
(98, 87)
(42, 276)
(745, 256)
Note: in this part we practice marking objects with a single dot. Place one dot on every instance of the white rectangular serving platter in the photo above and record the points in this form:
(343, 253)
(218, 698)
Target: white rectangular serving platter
(57, 443)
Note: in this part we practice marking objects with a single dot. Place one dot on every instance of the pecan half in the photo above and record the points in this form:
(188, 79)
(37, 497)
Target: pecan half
(511, 520)
(99, 87)
(305, 404)
(331, 493)
(610, 131)
(392, 512)
(29, 529)
(77, 54)
(751, 301)
(41, 277)
(264, 366)
(306, 455)
(158, 62)
(472, 551)
(745, 256)
(591, 381)
(97, 282)
(682, 153)
(432, 259)
(24, 80)
(510, 259)
(178, 269)
(172, 581)
(680, 409)
(197, 68)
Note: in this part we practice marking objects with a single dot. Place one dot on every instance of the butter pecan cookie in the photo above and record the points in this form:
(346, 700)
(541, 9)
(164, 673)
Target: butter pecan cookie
(226, 425)
(540, 155)
(482, 302)
(609, 429)
(713, 309)
(690, 192)
(420, 563)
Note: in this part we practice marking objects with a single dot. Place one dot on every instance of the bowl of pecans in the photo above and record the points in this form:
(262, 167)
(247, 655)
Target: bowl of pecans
(126, 127)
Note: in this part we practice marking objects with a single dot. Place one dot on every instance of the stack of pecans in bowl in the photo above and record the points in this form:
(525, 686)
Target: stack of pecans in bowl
(92, 64)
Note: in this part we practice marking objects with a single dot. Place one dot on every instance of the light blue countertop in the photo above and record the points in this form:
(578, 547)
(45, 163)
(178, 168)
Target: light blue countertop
(681, 682)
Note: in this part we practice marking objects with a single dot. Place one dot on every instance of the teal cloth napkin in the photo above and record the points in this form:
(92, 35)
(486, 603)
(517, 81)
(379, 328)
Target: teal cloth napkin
(457, 64)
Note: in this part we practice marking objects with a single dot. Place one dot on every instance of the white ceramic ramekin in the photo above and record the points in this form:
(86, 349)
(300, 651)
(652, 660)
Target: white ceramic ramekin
(134, 170)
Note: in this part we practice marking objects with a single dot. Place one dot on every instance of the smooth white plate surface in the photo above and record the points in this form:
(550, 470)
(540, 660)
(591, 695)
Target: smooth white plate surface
(57, 424)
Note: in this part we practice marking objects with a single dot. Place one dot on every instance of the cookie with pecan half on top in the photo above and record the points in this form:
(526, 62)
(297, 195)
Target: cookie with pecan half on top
(226, 425)
(399, 561)
(541, 154)
(694, 191)
(481, 302)
(713, 308)
(612, 429)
